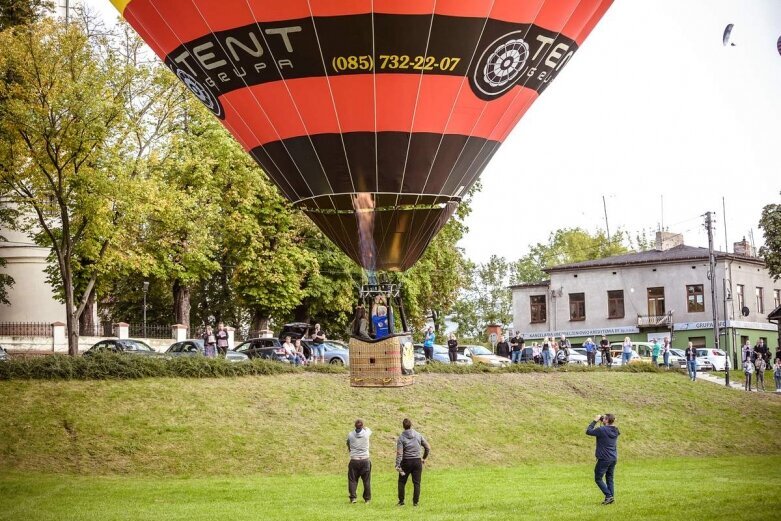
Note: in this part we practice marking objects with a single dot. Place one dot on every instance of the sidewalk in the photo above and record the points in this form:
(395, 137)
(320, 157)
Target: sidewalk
(734, 385)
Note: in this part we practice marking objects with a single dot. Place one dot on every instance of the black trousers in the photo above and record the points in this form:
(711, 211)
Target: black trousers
(359, 469)
(591, 357)
(453, 354)
(414, 468)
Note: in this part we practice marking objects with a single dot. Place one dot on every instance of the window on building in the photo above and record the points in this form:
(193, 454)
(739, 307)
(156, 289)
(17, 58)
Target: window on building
(697, 341)
(577, 306)
(741, 297)
(615, 303)
(695, 298)
(656, 302)
(776, 298)
(760, 300)
(539, 309)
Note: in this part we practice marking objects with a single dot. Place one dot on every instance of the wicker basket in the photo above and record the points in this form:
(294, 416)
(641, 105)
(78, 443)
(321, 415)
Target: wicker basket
(377, 363)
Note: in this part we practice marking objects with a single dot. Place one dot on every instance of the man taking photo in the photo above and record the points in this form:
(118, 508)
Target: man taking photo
(607, 453)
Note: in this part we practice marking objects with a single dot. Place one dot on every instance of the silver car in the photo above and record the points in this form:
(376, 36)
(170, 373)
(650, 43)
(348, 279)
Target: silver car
(441, 355)
(194, 347)
(335, 353)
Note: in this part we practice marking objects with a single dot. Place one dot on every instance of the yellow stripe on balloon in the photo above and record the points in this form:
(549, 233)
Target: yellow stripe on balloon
(120, 5)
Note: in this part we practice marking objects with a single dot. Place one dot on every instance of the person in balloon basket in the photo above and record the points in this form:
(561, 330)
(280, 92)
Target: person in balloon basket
(428, 343)
(380, 319)
(606, 453)
(412, 449)
(318, 349)
(360, 466)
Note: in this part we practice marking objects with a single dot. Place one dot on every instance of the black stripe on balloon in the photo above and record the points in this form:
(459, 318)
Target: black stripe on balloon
(431, 168)
(506, 53)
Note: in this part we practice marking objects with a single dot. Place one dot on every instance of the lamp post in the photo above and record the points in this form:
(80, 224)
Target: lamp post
(146, 288)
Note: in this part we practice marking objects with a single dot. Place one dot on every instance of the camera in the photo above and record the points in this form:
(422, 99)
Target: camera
(602, 419)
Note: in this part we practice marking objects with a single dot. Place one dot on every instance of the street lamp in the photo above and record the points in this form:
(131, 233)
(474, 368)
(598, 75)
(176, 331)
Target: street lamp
(146, 288)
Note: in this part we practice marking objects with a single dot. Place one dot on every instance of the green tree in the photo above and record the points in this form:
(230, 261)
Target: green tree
(566, 246)
(770, 224)
(486, 300)
(22, 12)
(77, 118)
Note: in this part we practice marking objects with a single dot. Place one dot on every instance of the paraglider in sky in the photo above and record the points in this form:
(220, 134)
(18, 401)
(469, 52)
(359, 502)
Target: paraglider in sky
(375, 117)
(726, 37)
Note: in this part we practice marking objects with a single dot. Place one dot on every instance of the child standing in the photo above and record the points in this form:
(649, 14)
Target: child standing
(748, 370)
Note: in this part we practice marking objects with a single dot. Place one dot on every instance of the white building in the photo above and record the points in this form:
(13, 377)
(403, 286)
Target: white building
(656, 293)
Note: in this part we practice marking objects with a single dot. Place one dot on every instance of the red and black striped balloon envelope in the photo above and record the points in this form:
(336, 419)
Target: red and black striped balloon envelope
(372, 116)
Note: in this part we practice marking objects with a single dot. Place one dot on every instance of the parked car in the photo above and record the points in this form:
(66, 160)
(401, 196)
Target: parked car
(716, 357)
(125, 346)
(3, 355)
(582, 351)
(677, 359)
(194, 347)
(268, 348)
(482, 355)
(441, 355)
(335, 351)
(641, 350)
(576, 357)
(703, 363)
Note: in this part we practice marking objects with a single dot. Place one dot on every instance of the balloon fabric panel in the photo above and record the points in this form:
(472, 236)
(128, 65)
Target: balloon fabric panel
(364, 113)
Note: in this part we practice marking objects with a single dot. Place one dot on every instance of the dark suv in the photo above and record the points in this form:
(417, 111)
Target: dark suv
(269, 348)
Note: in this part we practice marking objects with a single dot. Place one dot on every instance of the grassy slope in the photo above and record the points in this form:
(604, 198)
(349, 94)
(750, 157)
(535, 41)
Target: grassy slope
(296, 424)
(687, 489)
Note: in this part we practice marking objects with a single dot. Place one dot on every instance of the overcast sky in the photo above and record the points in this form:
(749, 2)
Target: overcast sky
(652, 106)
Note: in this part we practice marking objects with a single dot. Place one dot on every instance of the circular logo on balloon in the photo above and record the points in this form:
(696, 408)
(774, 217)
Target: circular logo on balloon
(202, 93)
(500, 65)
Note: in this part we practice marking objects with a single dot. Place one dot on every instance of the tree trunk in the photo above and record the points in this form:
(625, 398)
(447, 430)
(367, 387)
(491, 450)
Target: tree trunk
(260, 321)
(71, 320)
(87, 326)
(181, 304)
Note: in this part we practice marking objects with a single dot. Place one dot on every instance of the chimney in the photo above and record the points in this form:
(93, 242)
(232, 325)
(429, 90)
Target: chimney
(668, 240)
(744, 248)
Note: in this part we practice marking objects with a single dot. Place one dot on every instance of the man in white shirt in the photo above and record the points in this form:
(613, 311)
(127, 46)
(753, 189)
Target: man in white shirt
(290, 351)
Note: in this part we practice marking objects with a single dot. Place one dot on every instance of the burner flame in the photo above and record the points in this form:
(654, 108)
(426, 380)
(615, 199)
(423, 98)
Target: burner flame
(363, 203)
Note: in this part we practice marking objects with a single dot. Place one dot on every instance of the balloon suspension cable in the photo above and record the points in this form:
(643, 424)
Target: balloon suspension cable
(391, 293)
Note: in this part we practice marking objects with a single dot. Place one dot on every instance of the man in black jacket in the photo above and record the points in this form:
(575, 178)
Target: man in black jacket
(607, 453)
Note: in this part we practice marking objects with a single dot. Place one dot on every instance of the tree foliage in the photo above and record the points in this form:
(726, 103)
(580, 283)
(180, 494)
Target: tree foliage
(22, 12)
(566, 246)
(770, 224)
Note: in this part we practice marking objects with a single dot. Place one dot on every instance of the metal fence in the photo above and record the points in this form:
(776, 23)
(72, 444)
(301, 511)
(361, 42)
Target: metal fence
(25, 329)
(149, 331)
(102, 329)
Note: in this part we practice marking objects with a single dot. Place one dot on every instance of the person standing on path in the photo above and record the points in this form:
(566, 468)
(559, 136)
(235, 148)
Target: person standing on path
(428, 344)
(591, 351)
(691, 361)
(655, 352)
(666, 352)
(412, 449)
(502, 347)
(517, 343)
(360, 466)
(606, 453)
(748, 370)
(452, 349)
(604, 346)
(777, 374)
(222, 339)
(626, 351)
(760, 365)
(209, 342)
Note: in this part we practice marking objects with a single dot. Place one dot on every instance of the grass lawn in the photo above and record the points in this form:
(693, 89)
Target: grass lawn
(733, 488)
(740, 376)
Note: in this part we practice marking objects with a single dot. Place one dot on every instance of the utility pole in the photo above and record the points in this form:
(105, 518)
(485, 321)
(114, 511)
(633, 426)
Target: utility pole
(712, 278)
(607, 226)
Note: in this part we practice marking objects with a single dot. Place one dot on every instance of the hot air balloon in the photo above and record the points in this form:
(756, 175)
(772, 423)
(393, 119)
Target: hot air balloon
(725, 38)
(374, 117)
